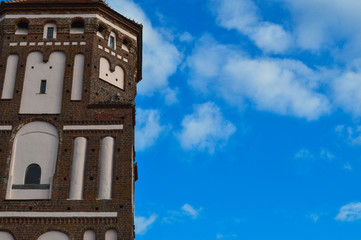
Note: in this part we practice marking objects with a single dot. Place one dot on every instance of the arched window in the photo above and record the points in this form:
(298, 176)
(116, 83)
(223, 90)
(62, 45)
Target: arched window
(50, 30)
(33, 162)
(77, 27)
(22, 28)
(112, 42)
(33, 174)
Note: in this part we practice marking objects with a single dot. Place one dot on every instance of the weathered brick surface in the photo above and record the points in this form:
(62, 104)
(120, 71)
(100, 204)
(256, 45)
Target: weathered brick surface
(98, 107)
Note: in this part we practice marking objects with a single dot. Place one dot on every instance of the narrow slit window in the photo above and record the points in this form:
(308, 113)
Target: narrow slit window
(43, 87)
(111, 42)
(33, 174)
(50, 33)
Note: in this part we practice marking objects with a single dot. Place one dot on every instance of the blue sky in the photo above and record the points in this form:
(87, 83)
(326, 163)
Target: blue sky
(248, 119)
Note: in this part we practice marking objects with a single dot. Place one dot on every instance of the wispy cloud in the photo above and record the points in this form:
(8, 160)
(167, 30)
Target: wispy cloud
(142, 224)
(190, 211)
(243, 16)
(148, 128)
(185, 211)
(205, 129)
(315, 217)
(350, 212)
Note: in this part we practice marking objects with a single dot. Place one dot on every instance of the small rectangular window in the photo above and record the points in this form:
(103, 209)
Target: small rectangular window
(111, 42)
(43, 87)
(50, 33)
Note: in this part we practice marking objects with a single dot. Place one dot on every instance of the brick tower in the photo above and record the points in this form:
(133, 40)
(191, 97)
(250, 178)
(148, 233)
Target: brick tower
(68, 77)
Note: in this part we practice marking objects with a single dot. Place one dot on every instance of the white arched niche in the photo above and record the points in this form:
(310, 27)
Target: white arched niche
(36, 143)
(89, 235)
(78, 75)
(54, 235)
(43, 84)
(106, 168)
(6, 236)
(116, 77)
(10, 76)
(111, 235)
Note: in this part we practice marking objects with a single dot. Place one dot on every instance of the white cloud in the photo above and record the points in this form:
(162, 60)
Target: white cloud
(304, 154)
(351, 134)
(243, 16)
(160, 56)
(148, 128)
(205, 128)
(350, 212)
(318, 24)
(315, 217)
(222, 236)
(346, 91)
(190, 211)
(326, 154)
(286, 87)
(219, 236)
(347, 167)
(142, 224)
(183, 214)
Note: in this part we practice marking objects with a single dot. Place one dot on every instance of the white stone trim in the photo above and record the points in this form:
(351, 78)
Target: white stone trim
(59, 214)
(92, 127)
(29, 16)
(6, 128)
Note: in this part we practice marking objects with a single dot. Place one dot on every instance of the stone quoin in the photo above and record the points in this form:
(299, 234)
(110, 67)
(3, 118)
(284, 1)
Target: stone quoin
(68, 77)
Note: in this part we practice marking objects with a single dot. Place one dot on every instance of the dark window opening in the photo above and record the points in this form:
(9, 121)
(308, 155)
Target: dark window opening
(111, 42)
(43, 87)
(101, 30)
(50, 33)
(22, 28)
(77, 24)
(33, 174)
(23, 25)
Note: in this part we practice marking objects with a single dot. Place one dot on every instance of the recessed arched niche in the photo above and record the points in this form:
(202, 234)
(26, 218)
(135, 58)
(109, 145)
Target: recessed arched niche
(43, 84)
(33, 162)
(89, 235)
(6, 236)
(111, 235)
(54, 235)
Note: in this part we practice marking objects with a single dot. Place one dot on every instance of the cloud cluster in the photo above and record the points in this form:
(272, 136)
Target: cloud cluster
(205, 129)
(283, 86)
(350, 212)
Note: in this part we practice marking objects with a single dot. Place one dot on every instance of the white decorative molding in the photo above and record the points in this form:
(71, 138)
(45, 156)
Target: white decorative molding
(29, 16)
(59, 214)
(6, 128)
(23, 44)
(92, 127)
